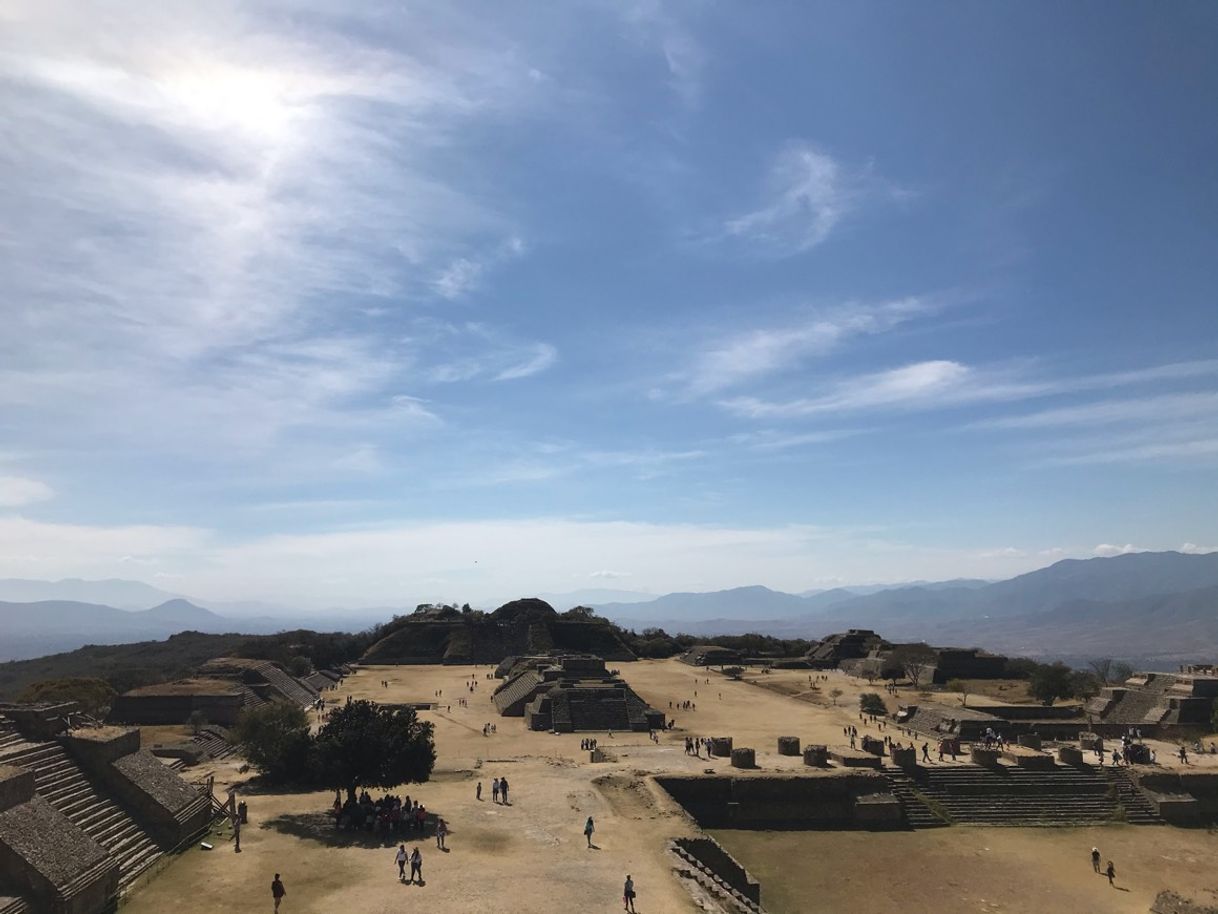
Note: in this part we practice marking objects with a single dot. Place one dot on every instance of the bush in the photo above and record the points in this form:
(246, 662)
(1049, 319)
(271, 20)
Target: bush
(94, 695)
(1050, 682)
(872, 703)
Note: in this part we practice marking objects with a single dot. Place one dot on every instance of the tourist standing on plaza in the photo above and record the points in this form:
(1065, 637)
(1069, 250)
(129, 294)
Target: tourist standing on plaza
(503, 787)
(441, 834)
(1111, 874)
(495, 790)
(400, 859)
(277, 890)
(1095, 859)
(478, 792)
(628, 894)
(589, 828)
(416, 866)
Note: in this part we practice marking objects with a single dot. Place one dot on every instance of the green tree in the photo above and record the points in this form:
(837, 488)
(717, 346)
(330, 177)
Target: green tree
(367, 745)
(872, 703)
(835, 694)
(275, 739)
(1050, 682)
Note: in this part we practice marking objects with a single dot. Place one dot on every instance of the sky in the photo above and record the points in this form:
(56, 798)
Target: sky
(380, 303)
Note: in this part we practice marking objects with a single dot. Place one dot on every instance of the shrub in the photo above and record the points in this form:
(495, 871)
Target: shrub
(872, 703)
(275, 740)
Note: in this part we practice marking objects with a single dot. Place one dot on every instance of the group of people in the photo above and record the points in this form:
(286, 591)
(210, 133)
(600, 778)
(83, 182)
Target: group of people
(499, 791)
(386, 814)
(488, 729)
(1109, 871)
(415, 859)
(587, 744)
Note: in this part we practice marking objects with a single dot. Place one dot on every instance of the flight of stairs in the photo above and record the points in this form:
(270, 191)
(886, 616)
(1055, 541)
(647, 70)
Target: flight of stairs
(917, 813)
(975, 795)
(61, 782)
(12, 905)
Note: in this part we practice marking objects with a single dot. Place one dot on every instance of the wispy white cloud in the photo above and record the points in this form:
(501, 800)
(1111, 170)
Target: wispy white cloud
(198, 198)
(606, 575)
(1194, 549)
(807, 193)
(945, 383)
(543, 356)
(1111, 412)
(16, 491)
(775, 440)
(755, 353)
(1107, 550)
(475, 351)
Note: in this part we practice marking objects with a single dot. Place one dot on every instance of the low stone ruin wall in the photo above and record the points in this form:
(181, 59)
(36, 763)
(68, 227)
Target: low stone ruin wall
(1186, 798)
(1171, 903)
(828, 799)
(710, 855)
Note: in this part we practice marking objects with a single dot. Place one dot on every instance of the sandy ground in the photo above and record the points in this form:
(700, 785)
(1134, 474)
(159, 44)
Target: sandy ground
(531, 856)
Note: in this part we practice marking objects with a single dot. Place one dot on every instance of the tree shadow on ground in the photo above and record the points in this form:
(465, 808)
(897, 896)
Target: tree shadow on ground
(319, 826)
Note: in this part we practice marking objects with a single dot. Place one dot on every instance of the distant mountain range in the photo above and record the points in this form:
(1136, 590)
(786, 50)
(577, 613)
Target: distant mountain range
(1154, 607)
(1159, 607)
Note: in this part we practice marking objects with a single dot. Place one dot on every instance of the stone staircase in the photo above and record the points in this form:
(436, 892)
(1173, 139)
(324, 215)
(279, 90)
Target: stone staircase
(1136, 804)
(61, 782)
(1006, 795)
(13, 905)
(913, 805)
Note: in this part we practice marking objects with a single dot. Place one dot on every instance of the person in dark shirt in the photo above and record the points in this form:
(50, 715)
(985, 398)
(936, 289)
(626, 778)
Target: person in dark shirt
(277, 890)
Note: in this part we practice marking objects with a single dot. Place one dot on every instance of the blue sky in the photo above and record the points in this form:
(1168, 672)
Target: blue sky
(465, 301)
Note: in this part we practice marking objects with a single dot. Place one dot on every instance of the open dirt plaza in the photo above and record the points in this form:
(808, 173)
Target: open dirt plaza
(532, 855)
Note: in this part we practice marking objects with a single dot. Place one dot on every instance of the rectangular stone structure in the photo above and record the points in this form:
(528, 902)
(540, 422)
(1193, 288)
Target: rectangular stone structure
(788, 745)
(1032, 759)
(816, 756)
(853, 758)
(744, 758)
(721, 746)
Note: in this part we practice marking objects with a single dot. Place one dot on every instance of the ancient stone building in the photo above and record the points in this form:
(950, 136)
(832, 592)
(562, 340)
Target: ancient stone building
(1151, 700)
(849, 645)
(83, 812)
(571, 693)
(224, 688)
(888, 661)
(710, 655)
(522, 627)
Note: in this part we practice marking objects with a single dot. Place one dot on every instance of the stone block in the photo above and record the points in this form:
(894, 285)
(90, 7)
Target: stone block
(904, 756)
(853, 758)
(744, 758)
(721, 746)
(1070, 755)
(873, 745)
(1031, 740)
(987, 758)
(1088, 741)
(1031, 759)
(875, 809)
(16, 786)
(788, 745)
(816, 756)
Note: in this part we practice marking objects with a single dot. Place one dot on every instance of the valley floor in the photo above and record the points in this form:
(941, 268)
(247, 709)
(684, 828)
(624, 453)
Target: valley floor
(532, 856)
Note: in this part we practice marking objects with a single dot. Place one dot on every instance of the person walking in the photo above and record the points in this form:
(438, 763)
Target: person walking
(277, 890)
(478, 792)
(495, 790)
(628, 894)
(416, 866)
(589, 828)
(1095, 859)
(1111, 874)
(400, 859)
(441, 834)
(503, 787)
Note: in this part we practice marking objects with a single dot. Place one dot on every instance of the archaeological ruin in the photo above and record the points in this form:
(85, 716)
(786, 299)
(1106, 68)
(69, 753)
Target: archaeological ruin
(571, 693)
(84, 812)
(444, 634)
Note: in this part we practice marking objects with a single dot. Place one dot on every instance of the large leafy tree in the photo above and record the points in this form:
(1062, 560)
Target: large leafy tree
(1050, 682)
(366, 745)
(275, 739)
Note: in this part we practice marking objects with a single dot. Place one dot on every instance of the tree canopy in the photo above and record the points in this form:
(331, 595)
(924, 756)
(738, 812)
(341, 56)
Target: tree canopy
(1050, 682)
(872, 703)
(367, 745)
(275, 739)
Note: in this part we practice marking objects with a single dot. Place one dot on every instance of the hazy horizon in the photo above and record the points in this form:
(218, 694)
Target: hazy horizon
(339, 307)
